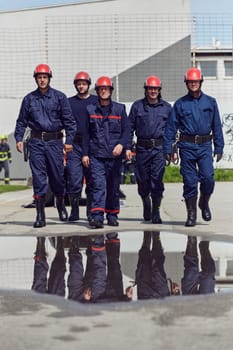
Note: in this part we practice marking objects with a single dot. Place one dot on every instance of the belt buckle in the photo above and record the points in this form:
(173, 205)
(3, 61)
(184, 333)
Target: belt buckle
(196, 139)
(43, 133)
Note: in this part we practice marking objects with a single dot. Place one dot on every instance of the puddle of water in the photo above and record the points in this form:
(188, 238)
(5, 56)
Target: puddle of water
(18, 268)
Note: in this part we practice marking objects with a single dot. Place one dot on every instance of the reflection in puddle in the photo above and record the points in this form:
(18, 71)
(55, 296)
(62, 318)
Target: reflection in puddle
(117, 267)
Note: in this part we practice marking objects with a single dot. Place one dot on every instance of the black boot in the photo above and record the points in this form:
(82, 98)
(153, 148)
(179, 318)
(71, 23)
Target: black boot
(74, 203)
(191, 205)
(60, 246)
(207, 261)
(146, 239)
(146, 208)
(156, 219)
(191, 247)
(62, 212)
(88, 208)
(40, 216)
(40, 247)
(204, 249)
(156, 245)
(203, 204)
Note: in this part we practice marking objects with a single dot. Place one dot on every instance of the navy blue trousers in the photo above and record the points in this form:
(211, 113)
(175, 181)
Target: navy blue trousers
(76, 172)
(106, 177)
(197, 166)
(47, 164)
(149, 171)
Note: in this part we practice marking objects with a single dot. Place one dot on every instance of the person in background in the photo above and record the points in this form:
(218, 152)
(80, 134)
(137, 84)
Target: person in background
(128, 167)
(5, 158)
(148, 118)
(47, 113)
(76, 172)
(196, 118)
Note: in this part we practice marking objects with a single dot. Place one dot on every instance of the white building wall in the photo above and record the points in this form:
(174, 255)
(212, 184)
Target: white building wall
(99, 47)
(102, 37)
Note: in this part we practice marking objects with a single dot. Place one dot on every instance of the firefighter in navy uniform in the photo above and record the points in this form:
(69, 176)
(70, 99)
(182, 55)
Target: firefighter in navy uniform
(196, 117)
(47, 113)
(106, 137)
(5, 158)
(76, 172)
(148, 117)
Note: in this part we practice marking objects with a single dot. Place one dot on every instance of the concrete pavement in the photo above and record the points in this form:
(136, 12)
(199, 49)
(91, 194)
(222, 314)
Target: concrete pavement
(16, 220)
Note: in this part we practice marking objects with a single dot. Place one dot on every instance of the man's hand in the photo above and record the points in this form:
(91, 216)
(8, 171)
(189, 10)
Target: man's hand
(87, 294)
(129, 292)
(19, 146)
(175, 158)
(117, 150)
(68, 148)
(218, 157)
(86, 161)
(128, 154)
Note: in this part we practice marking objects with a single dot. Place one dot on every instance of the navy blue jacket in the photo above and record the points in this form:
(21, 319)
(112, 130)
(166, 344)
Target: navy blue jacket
(79, 109)
(148, 121)
(194, 116)
(108, 126)
(50, 112)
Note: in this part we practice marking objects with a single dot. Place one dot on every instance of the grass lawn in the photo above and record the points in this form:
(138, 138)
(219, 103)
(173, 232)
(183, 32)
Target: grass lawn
(172, 174)
(12, 188)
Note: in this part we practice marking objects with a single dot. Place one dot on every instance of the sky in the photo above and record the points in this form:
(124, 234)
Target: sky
(211, 6)
(20, 4)
(197, 6)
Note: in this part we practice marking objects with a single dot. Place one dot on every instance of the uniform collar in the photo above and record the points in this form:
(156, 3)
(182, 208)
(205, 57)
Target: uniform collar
(147, 104)
(47, 94)
(99, 107)
(195, 98)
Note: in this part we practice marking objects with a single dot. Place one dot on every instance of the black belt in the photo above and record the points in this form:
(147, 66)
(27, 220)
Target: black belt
(78, 139)
(197, 139)
(150, 143)
(46, 136)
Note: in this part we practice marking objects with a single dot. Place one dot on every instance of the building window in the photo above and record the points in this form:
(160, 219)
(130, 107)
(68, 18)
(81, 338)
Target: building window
(208, 68)
(228, 66)
(229, 271)
(217, 268)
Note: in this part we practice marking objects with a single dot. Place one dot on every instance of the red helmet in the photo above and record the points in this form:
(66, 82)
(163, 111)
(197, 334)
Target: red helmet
(42, 69)
(82, 76)
(193, 74)
(104, 81)
(153, 81)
